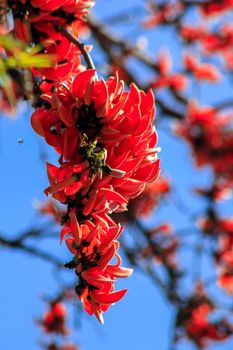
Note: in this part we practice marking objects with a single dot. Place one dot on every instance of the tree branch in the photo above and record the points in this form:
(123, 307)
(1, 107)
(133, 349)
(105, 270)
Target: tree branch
(17, 244)
(81, 46)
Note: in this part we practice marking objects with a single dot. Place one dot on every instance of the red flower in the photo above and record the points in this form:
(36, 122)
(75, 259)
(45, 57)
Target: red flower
(165, 78)
(106, 143)
(94, 245)
(37, 22)
(225, 279)
(193, 320)
(59, 11)
(54, 320)
(201, 331)
(201, 71)
(66, 54)
(215, 8)
(162, 14)
(120, 121)
(211, 138)
(191, 33)
(164, 62)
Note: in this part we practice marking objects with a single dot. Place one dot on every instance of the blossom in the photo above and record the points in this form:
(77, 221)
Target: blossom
(39, 22)
(107, 146)
(222, 228)
(201, 331)
(162, 14)
(190, 33)
(66, 54)
(85, 114)
(210, 136)
(53, 320)
(193, 320)
(94, 245)
(201, 71)
(54, 325)
(59, 11)
(166, 78)
(215, 8)
(225, 279)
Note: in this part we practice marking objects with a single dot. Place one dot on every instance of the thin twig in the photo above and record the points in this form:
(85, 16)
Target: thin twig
(81, 46)
(17, 244)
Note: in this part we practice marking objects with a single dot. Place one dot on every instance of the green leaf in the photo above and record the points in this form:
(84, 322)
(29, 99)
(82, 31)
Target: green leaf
(8, 42)
(22, 55)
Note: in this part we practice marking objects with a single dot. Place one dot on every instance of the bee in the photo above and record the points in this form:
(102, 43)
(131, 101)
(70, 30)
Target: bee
(20, 141)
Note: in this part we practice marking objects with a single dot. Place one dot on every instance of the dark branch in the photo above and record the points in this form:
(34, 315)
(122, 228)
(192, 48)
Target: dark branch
(81, 46)
(19, 245)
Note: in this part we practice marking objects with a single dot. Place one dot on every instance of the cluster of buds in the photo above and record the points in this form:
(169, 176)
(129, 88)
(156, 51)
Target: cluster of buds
(54, 324)
(202, 72)
(211, 138)
(193, 320)
(211, 42)
(162, 13)
(166, 78)
(221, 229)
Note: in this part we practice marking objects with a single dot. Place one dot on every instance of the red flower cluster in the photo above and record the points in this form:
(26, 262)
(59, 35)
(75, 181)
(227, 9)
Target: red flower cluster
(216, 7)
(53, 323)
(166, 79)
(193, 321)
(58, 11)
(40, 22)
(192, 33)
(93, 247)
(54, 320)
(205, 72)
(220, 42)
(222, 230)
(211, 138)
(224, 258)
(11, 94)
(211, 42)
(215, 226)
(67, 56)
(106, 141)
(224, 254)
(162, 13)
